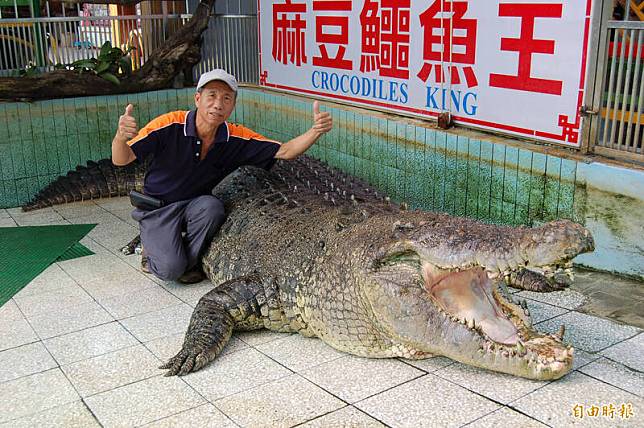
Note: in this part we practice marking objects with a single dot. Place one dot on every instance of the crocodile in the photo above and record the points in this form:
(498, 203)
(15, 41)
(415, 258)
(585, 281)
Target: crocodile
(308, 249)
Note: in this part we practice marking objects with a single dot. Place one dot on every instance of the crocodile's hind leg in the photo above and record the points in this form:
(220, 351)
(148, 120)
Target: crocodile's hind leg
(234, 302)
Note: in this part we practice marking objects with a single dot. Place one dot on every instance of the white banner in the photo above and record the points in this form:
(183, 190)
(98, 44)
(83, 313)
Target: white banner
(514, 66)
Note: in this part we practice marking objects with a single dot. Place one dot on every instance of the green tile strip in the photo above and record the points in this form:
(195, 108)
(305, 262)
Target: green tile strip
(26, 251)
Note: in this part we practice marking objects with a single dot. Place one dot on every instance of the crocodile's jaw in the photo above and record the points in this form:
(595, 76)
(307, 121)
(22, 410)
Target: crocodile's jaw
(498, 249)
(555, 243)
(500, 333)
(462, 315)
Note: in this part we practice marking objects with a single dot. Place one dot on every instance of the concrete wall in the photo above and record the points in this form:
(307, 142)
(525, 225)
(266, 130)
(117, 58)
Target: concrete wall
(457, 172)
(614, 212)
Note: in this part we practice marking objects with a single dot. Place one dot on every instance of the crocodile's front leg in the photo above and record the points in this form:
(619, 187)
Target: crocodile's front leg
(237, 301)
(526, 279)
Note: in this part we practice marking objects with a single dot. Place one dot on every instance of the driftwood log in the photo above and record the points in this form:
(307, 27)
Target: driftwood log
(180, 52)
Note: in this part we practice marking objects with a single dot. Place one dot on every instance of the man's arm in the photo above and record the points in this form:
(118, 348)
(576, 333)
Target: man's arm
(122, 154)
(322, 123)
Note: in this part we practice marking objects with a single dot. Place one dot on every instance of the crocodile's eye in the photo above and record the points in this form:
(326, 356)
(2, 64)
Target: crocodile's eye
(408, 257)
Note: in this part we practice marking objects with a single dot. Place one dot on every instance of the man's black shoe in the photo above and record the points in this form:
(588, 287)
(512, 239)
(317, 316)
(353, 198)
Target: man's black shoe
(145, 268)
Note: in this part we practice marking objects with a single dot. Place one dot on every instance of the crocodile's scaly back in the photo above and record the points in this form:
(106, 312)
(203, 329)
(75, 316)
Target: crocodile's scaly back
(95, 180)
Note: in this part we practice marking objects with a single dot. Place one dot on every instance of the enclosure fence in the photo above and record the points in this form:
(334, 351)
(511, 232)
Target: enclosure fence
(620, 124)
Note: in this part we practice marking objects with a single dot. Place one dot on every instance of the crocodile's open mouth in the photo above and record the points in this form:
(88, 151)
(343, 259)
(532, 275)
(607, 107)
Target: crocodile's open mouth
(468, 297)
(499, 328)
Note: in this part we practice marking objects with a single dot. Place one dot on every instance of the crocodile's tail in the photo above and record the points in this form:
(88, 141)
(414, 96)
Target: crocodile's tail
(100, 179)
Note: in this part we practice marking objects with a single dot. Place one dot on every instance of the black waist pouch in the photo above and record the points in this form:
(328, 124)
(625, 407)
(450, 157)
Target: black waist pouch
(144, 202)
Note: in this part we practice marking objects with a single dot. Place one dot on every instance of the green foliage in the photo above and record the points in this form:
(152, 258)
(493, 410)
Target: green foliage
(111, 64)
(30, 70)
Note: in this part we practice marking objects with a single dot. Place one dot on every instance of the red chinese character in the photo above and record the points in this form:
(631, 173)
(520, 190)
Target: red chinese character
(341, 38)
(288, 34)
(526, 45)
(370, 22)
(439, 31)
(394, 39)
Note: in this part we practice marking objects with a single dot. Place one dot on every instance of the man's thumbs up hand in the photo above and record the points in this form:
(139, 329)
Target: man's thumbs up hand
(322, 121)
(127, 124)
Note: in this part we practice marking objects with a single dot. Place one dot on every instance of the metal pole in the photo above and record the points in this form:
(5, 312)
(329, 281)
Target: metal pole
(627, 84)
(636, 82)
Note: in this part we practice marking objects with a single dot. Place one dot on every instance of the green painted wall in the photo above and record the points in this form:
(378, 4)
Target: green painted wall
(428, 168)
(42, 140)
(425, 167)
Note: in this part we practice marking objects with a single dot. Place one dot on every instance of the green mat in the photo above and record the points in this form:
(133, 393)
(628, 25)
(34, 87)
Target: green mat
(75, 251)
(26, 251)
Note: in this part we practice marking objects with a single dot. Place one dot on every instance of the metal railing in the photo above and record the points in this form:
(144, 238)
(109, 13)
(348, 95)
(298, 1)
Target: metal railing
(47, 42)
(621, 115)
(53, 8)
(231, 42)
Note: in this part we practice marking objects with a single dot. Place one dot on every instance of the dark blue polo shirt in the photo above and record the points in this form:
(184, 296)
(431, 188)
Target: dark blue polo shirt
(176, 173)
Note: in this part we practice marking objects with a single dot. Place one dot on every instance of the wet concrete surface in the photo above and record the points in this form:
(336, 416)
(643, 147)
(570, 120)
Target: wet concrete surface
(611, 296)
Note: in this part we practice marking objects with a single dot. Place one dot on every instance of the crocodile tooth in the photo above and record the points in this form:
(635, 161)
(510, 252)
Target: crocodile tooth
(561, 356)
(560, 334)
(471, 324)
(520, 348)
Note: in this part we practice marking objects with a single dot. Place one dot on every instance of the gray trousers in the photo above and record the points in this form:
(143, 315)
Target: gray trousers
(170, 253)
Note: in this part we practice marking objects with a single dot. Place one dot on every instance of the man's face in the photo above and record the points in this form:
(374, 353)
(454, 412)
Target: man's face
(215, 102)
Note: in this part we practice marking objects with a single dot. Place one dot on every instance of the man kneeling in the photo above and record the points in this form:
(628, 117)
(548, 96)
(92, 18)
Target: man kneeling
(190, 152)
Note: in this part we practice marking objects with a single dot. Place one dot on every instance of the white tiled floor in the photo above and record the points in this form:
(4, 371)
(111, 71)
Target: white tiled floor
(80, 346)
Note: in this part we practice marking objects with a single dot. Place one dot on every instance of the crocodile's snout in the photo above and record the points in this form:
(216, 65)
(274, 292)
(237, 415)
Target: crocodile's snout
(556, 243)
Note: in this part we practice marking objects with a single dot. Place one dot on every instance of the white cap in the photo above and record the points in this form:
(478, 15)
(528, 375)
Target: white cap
(217, 74)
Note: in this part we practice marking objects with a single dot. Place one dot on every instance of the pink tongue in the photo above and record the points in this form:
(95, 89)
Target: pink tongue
(468, 295)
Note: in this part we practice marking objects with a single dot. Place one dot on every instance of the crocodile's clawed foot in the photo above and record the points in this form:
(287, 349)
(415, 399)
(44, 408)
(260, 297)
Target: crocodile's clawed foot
(185, 361)
(530, 280)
